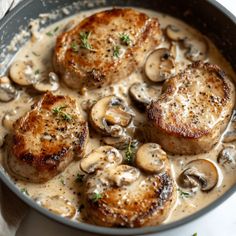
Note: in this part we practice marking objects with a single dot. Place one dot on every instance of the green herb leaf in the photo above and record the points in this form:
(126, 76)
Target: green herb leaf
(24, 191)
(81, 207)
(62, 181)
(56, 29)
(130, 152)
(116, 51)
(96, 197)
(125, 39)
(75, 47)
(195, 234)
(79, 178)
(84, 37)
(49, 34)
(59, 111)
(37, 72)
(36, 54)
(183, 194)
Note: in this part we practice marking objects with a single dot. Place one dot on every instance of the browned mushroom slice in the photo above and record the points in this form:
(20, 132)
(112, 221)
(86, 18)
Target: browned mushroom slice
(119, 142)
(142, 94)
(107, 111)
(58, 205)
(7, 91)
(151, 158)
(100, 158)
(123, 175)
(23, 72)
(48, 84)
(159, 65)
(199, 172)
(230, 136)
(227, 157)
(197, 49)
(174, 33)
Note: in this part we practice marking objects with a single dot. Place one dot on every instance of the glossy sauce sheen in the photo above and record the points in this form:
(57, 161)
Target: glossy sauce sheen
(40, 51)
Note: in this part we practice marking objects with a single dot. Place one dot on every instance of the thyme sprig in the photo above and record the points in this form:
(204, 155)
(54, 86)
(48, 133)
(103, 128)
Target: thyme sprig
(130, 152)
(183, 194)
(96, 196)
(125, 39)
(59, 111)
(116, 51)
(84, 37)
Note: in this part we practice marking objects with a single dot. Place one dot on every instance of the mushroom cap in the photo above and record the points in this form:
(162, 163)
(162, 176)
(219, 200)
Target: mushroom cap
(202, 172)
(151, 158)
(100, 158)
(159, 65)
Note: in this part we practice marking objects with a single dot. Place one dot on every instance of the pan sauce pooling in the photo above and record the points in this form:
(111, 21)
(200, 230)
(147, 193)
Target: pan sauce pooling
(63, 193)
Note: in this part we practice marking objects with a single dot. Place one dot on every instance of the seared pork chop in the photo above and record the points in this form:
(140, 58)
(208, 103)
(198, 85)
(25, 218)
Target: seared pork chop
(47, 139)
(146, 200)
(192, 111)
(105, 47)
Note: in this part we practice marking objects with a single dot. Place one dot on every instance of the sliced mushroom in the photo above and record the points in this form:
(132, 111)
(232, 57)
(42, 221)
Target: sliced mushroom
(160, 65)
(151, 158)
(59, 205)
(107, 111)
(22, 73)
(197, 49)
(49, 84)
(123, 175)
(7, 91)
(199, 172)
(142, 94)
(174, 33)
(227, 157)
(9, 118)
(230, 136)
(100, 158)
(119, 142)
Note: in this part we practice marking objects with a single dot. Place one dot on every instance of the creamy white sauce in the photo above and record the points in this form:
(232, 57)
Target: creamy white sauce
(40, 49)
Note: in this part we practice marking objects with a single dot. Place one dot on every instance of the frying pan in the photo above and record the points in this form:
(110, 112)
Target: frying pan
(207, 16)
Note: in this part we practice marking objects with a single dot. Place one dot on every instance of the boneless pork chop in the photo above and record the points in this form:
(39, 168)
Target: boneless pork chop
(192, 111)
(105, 47)
(47, 138)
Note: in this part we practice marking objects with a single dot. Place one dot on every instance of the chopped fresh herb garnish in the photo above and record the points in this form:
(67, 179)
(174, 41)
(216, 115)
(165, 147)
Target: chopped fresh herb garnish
(96, 197)
(129, 152)
(183, 194)
(195, 234)
(66, 116)
(116, 51)
(125, 39)
(75, 47)
(62, 181)
(37, 72)
(81, 207)
(84, 37)
(56, 29)
(58, 111)
(24, 190)
(79, 178)
(50, 34)
(36, 54)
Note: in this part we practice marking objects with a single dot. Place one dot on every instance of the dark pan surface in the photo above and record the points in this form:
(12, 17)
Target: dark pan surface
(206, 15)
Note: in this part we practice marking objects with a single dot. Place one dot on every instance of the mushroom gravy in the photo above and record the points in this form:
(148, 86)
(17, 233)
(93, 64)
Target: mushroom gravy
(62, 194)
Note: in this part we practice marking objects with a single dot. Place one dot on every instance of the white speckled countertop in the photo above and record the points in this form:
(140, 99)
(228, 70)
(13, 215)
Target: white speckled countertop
(219, 222)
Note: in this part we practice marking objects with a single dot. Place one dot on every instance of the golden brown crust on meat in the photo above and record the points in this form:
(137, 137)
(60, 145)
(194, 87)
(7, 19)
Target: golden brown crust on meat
(45, 142)
(93, 68)
(135, 207)
(200, 90)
